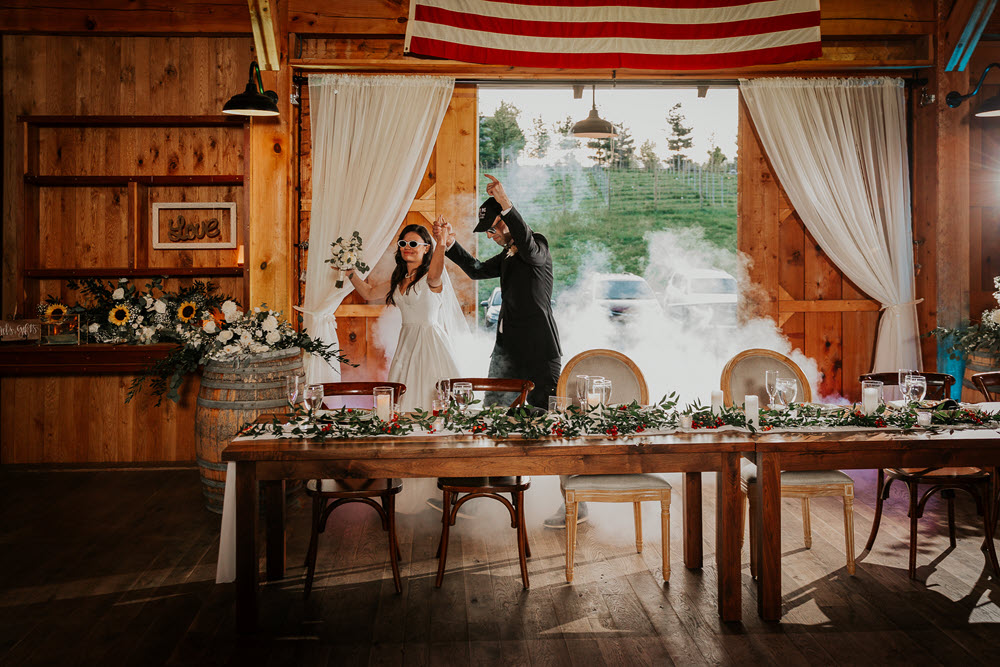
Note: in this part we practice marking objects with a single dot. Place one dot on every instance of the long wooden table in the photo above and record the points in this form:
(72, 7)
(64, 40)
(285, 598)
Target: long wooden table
(269, 462)
(867, 449)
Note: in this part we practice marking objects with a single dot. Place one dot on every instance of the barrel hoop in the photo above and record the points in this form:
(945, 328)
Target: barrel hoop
(243, 405)
(214, 483)
(221, 467)
(215, 384)
(253, 369)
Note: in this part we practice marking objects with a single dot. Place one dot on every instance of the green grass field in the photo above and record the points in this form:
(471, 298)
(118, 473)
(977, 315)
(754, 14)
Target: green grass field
(583, 215)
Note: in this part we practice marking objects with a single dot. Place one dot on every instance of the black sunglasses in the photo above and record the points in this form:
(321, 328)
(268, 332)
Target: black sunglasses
(411, 244)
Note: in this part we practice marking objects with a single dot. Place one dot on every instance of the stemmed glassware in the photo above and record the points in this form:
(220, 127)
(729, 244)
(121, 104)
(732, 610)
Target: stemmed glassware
(605, 392)
(294, 385)
(462, 393)
(581, 390)
(771, 385)
(787, 390)
(313, 397)
(915, 388)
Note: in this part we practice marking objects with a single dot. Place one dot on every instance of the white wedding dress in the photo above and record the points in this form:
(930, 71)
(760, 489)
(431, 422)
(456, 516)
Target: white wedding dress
(425, 353)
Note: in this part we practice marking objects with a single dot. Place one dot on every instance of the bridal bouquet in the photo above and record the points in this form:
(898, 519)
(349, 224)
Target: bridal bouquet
(346, 255)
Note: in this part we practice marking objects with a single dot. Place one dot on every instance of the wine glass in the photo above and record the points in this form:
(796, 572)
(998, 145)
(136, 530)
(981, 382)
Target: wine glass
(770, 385)
(903, 372)
(462, 393)
(442, 390)
(581, 390)
(313, 397)
(915, 388)
(787, 390)
(294, 384)
(605, 392)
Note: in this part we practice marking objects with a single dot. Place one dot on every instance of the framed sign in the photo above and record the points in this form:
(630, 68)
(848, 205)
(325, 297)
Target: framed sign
(20, 330)
(193, 225)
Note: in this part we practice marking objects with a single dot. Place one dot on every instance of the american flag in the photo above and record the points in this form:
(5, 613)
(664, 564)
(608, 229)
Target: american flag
(635, 34)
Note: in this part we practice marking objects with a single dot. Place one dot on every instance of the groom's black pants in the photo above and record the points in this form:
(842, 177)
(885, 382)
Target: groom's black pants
(543, 372)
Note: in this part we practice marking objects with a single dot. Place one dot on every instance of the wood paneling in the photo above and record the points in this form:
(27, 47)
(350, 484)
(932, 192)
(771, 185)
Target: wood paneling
(109, 16)
(84, 419)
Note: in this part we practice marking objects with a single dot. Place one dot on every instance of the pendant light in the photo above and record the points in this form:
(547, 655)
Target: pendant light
(594, 126)
(988, 109)
(254, 100)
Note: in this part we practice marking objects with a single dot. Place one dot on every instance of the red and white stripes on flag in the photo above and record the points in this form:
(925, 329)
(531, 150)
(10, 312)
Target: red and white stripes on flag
(635, 34)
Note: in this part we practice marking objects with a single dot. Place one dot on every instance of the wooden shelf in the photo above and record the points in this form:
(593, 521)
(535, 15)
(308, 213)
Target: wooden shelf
(151, 179)
(18, 359)
(133, 121)
(121, 272)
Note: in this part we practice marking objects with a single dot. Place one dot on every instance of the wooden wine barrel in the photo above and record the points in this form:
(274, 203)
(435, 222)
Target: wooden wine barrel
(231, 395)
(979, 361)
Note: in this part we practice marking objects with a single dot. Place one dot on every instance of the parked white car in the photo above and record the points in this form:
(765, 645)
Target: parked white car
(702, 297)
(623, 294)
(491, 312)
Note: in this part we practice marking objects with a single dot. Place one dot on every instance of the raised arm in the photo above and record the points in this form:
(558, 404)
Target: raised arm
(436, 268)
(368, 291)
(529, 250)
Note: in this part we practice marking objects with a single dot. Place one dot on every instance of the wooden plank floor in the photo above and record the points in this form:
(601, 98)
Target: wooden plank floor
(117, 568)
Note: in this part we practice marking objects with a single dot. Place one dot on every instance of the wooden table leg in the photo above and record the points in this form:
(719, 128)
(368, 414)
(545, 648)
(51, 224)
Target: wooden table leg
(768, 520)
(692, 520)
(727, 538)
(274, 506)
(246, 546)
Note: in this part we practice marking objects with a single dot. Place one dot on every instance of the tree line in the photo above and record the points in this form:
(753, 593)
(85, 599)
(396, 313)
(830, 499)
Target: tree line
(501, 140)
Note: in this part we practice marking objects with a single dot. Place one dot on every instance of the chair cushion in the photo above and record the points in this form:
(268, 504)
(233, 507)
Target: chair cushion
(615, 482)
(800, 477)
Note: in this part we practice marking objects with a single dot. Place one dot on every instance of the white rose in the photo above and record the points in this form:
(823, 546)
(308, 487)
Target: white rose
(995, 316)
(270, 323)
(257, 348)
(246, 338)
(118, 294)
(160, 306)
(95, 327)
(230, 310)
(256, 309)
(272, 337)
(149, 301)
(351, 258)
(209, 326)
(148, 332)
(225, 335)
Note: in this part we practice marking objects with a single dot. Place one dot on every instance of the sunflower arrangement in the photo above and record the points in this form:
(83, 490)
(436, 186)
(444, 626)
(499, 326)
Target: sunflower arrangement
(205, 326)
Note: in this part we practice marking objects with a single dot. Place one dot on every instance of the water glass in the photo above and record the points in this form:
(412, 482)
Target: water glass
(461, 392)
(294, 385)
(313, 397)
(771, 384)
(442, 389)
(558, 404)
(605, 390)
(594, 393)
(787, 390)
(902, 373)
(915, 388)
(383, 403)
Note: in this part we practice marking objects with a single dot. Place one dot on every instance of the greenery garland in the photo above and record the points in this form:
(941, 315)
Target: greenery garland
(614, 422)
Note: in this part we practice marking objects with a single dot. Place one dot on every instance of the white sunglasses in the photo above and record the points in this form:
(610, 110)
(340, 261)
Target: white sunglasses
(410, 244)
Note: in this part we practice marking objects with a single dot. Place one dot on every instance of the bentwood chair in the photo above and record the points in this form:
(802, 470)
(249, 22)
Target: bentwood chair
(743, 375)
(974, 481)
(988, 385)
(459, 490)
(628, 385)
(329, 494)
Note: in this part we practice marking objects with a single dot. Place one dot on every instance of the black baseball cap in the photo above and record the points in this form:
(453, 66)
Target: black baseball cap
(488, 212)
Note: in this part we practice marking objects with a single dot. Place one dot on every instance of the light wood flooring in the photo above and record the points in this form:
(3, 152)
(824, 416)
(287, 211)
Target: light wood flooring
(117, 568)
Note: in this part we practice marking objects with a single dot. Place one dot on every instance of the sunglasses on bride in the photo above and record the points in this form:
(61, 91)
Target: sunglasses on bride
(410, 244)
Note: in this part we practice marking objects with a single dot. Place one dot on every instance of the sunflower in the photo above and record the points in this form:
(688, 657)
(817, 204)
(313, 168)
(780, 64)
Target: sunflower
(55, 312)
(186, 311)
(119, 315)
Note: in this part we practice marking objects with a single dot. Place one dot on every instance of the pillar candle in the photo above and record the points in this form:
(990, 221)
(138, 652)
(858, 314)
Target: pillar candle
(716, 401)
(593, 399)
(751, 406)
(869, 400)
(383, 410)
(924, 418)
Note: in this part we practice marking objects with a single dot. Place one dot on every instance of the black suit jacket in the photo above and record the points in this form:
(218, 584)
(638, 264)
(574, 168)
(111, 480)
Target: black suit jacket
(529, 330)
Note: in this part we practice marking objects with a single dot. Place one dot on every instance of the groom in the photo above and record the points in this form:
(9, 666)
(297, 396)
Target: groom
(527, 342)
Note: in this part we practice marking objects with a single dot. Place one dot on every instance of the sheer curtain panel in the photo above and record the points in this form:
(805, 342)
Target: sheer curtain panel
(838, 147)
(372, 137)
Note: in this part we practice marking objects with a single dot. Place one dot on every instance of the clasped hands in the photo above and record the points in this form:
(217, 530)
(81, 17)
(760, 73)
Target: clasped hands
(442, 232)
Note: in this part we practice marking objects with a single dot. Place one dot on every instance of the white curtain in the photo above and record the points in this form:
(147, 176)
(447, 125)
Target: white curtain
(838, 147)
(372, 137)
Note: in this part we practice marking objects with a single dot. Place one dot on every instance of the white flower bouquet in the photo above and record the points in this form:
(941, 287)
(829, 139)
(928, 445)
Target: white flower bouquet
(346, 255)
(984, 335)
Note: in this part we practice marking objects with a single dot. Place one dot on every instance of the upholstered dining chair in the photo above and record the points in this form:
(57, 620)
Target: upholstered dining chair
(628, 384)
(329, 494)
(459, 490)
(743, 375)
(974, 481)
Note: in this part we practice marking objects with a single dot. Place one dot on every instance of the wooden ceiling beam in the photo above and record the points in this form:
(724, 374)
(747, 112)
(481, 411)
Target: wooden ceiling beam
(264, 39)
(964, 27)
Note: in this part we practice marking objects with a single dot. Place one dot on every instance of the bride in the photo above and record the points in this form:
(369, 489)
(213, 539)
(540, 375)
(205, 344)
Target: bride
(424, 353)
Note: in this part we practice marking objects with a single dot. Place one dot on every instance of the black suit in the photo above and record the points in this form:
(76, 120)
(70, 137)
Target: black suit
(527, 344)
